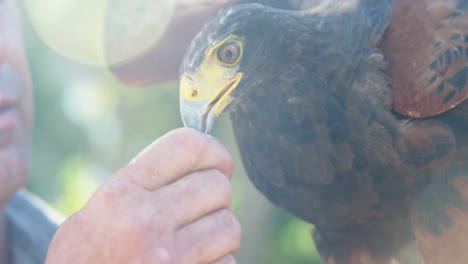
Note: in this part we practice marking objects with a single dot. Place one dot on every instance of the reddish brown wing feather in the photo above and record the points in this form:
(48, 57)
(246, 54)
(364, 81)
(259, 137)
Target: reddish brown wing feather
(427, 48)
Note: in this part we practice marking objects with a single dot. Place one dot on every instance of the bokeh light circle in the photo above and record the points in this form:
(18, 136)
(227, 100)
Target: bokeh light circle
(100, 32)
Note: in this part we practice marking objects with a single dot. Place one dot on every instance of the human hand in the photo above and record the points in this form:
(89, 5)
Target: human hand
(168, 205)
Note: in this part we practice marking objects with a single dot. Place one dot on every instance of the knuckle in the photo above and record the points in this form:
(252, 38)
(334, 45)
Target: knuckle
(115, 189)
(196, 147)
(141, 223)
(212, 183)
(229, 220)
(166, 209)
(134, 175)
(164, 255)
(227, 162)
(134, 224)
(227, 159)
(194, 142)
(222, 185)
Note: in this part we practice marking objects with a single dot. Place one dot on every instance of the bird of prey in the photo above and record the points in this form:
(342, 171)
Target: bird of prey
(348, 114)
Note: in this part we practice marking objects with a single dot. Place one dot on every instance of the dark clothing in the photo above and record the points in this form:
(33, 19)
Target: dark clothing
(31, 225)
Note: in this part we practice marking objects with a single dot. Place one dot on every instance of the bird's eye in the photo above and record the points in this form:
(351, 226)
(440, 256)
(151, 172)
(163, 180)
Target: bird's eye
(229, 53)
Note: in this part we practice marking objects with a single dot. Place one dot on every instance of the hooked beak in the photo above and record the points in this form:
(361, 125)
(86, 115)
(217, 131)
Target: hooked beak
(201, 106)
(197, 115)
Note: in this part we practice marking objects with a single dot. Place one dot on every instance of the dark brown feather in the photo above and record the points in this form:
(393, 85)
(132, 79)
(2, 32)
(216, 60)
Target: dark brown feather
(315, 122)
(339, 158)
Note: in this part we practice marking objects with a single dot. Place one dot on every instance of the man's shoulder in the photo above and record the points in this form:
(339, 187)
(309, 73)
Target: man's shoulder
(31, 226)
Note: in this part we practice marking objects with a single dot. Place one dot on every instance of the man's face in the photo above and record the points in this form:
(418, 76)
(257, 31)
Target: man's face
(15, 103)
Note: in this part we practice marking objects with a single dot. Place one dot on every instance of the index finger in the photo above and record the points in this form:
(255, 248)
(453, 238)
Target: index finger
(176, 154)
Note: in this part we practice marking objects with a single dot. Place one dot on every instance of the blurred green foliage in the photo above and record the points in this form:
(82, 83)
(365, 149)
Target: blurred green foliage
(87, 125)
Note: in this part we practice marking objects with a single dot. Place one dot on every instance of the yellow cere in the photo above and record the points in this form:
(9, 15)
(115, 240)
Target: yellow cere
(213, 78)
